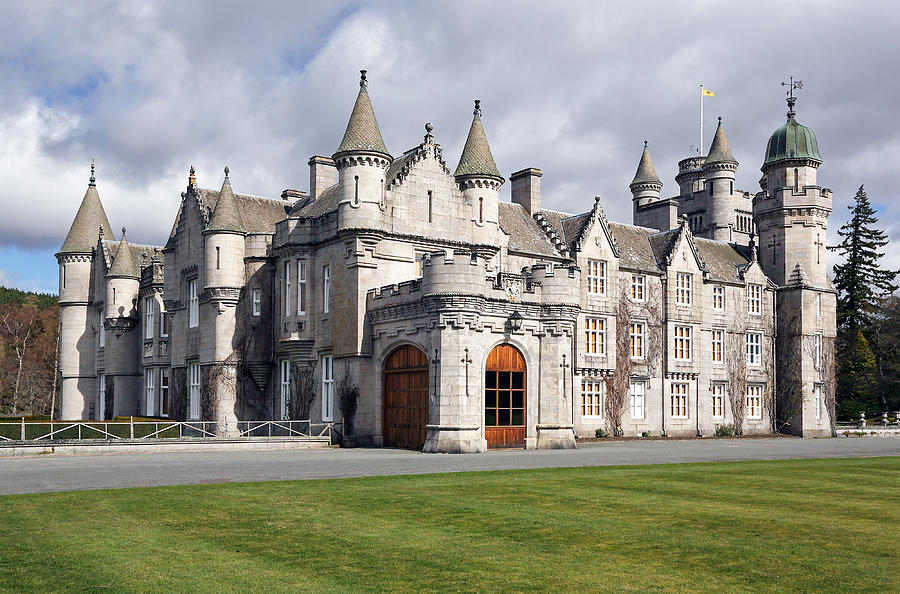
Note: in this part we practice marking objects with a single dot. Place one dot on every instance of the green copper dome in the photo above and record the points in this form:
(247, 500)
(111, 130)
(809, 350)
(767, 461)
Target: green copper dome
(792, 141)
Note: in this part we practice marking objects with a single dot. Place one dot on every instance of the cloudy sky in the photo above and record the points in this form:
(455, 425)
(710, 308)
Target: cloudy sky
(150, 88)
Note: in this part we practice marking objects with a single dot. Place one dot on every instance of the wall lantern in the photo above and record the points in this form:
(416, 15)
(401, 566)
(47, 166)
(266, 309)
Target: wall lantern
(515, 321)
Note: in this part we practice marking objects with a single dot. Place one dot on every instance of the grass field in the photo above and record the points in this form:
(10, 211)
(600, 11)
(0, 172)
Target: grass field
(806, 525)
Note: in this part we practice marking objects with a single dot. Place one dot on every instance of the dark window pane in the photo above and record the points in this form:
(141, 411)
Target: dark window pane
(504, 379)
(518, 399)
(490, 418)
(518, 380)
(518, 417)
(490, 398)
(490, 379)
(503, 400)
(503, 418)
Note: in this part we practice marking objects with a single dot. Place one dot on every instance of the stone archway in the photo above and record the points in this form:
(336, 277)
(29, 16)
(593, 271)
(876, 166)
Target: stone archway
(404, 390)
(504, 397)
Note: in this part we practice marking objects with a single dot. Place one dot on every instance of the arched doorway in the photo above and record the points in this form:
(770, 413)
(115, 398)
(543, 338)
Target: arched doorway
(404, 390)
(504, 397)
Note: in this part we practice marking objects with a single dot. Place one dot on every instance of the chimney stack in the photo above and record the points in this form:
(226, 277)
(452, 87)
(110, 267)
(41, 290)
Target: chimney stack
(526, 189)
(322, 174)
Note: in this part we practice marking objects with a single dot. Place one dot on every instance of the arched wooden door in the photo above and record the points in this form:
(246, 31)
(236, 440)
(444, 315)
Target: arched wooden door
(404, 390)
(504, 397)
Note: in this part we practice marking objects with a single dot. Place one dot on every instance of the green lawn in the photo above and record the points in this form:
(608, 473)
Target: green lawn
(807, 525)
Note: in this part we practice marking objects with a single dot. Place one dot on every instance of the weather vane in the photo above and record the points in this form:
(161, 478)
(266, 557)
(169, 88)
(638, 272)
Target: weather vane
(793, 85)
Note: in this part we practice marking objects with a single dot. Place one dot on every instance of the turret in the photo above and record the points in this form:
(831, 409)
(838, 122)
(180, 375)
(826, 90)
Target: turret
(362, 160)
(121, 361)
(480, 181)
(79, 325)
(718, 172)
(649, 210)
(225, 241)
(122, 285)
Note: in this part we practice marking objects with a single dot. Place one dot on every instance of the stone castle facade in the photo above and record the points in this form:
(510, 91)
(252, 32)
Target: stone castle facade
(465, 321)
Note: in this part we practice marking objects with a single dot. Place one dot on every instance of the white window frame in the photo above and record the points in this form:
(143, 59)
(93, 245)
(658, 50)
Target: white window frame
(149, 392)
(683, 343)
(678, 400)
(101, 400)
(193, 304)
(754, 300)
(596, 277)
(718, 293)
(148, 318)
(593, 394)
(301, 287)
(684, 287)
(327, 388)
(754, 401)
(638, 287)
(817, 351)
(637, 393)
(257, 302)
(326, 288)
(718, 401)
(636, 340)
(165, 393)
(717, 346)
(284, 377)
(595, 336)
(817, 400)
(287, 288)
(754, 349)
(193, 391)
(163, 320)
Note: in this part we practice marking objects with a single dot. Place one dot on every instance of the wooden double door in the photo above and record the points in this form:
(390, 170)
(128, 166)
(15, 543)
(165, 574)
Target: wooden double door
(504, 398)
(404, 389)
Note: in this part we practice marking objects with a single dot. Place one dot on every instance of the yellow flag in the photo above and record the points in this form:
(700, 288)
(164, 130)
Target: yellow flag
(707, 92)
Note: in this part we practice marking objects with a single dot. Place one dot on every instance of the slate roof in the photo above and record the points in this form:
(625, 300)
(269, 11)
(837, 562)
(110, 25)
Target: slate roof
(129, 267)
(258, 215)
(573, 227)
(634, 247)
(362, 133)
(326, 202)
(646, 173)
(226, 216)
(719, 150)
(525, 235)
(662, 243)
(83, 233)
(476, 157)
(724, 261)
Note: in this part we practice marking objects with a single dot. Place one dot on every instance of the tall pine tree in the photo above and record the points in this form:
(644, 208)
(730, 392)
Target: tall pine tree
(862, 285)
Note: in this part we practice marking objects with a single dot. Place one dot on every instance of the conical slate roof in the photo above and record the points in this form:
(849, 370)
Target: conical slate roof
(362, 132)
(719, 151)
(82, 237)
(226, 216)
(476, 158)
(123, 266)
(646, 173)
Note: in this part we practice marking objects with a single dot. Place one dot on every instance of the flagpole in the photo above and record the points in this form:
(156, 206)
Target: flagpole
(701, 119)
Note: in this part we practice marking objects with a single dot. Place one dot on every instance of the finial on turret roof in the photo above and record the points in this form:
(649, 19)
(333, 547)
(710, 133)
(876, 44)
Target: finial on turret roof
(101, 231)
(362, 78)
(92, 180)
(645, 145)
(226, 171)
(791, 100)
(123, 232)
(429, 138)
(192, 178)
(720, 120)
(477, 107)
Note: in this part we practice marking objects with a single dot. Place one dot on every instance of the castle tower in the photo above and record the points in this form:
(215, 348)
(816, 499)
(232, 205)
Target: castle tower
(791, 214)
(122, 354)
(362, 161)
(79, 324)
(480, 181)
(649, 210)
(224, 259)
(718, 173)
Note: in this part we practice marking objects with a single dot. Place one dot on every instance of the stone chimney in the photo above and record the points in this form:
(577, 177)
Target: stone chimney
(322, 174)
(526, 189)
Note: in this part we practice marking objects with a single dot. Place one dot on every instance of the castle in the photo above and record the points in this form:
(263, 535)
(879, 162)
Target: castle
(464, 321)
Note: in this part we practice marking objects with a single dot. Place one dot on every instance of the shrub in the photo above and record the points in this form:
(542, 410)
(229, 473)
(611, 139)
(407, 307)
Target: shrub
(724, 430)
(601, 432)
(645, 434)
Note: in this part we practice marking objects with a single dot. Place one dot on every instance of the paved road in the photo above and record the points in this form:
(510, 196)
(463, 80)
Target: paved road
(47, 473)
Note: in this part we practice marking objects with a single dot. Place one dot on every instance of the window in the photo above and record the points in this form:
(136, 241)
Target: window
(148, 317)
(637, 287)
(596, 277)
(287, 288)
(285, 382)
(193, 304)
(327, 388)
(718, 400)
(150, 402)
(818, 305)
(796, 180)
(678, 401)
(164, 391)
(754, 299)
(326, 287)
(257, 302)
(163, 320)
(718, 346)
(754, 402)
(194, 384)
(636, 338)
(754, 349)
(430, 205)
(682, 343)
(217, 257)
(102, 330)
(101, 399)
(817, 400)
(817, 354)
(637, 400)
(718, 298)
(592, 393)
(301, 287)
(480, 210)
(594, 336)
(683, 288)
